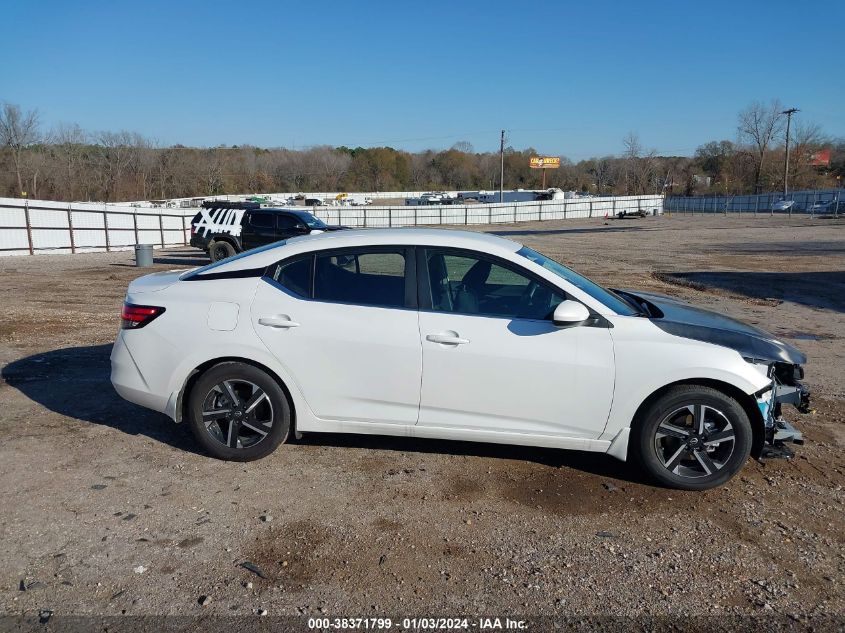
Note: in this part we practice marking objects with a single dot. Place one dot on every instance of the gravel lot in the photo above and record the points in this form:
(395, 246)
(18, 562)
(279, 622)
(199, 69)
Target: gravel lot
(108, 509)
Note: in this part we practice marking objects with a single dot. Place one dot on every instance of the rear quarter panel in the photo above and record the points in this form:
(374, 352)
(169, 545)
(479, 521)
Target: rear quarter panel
(170, 348)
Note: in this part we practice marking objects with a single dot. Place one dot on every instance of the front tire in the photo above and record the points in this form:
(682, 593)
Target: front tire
(238, 412)
(693, 438)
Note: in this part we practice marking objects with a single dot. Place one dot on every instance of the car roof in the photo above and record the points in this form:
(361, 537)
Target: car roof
(470, 240)
(279, 210)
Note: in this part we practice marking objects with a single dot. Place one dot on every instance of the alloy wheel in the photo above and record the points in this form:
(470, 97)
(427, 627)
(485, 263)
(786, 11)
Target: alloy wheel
(694, 441)
(237, 413)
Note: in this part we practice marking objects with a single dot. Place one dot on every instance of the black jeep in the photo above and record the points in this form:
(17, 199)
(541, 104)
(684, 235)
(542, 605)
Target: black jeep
(223, 229)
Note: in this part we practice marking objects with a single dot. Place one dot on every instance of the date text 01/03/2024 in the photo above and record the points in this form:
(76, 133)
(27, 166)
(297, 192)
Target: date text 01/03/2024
(483, 623)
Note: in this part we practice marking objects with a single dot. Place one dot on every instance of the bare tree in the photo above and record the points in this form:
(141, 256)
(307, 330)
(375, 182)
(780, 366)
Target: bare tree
(807, 134)
(759, 124)
(18, 131)
(168, 175)
(488, 166)
(633, 147)
(33, 163)
(632, 152)
(806, 139)
(640, 168)
(143, 166)
(212, 175)
(464, 146)
(69, 148)
(600, 169)
(114, 153)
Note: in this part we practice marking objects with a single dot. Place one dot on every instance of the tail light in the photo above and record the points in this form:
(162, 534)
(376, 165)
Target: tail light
(193, 229)
(133, 317)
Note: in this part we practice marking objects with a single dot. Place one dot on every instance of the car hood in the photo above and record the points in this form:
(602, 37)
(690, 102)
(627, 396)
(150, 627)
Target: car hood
(682, 319)
(328, 229)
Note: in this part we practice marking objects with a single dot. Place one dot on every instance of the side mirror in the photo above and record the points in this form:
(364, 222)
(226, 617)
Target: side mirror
(570, 313)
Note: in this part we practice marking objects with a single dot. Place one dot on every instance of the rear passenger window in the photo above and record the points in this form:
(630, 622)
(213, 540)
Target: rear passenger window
(294, 276)
(392, 264)
(261, 220)
(361, 277)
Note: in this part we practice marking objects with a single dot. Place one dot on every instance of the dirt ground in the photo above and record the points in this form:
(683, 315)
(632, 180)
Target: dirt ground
(109, 509)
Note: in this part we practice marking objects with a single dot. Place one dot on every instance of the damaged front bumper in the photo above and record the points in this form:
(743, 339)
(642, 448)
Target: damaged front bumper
(785, 388)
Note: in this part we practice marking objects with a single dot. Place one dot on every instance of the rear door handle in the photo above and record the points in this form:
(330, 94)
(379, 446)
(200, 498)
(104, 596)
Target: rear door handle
(282, 322)
(446, 339)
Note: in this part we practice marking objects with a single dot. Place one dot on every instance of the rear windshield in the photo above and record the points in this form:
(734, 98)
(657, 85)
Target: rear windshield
(210, 267)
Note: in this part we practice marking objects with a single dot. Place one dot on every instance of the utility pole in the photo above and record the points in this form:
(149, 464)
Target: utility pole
(502, 172)
(788, 114)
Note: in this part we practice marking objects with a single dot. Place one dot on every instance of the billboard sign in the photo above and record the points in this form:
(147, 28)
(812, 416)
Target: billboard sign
(544, 162)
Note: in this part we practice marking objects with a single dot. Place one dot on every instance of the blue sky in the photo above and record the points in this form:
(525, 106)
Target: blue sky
(569, 78)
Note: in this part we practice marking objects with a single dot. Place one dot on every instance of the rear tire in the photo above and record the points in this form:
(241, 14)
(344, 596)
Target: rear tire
(238, 412)
(693, 438)
(220, 250)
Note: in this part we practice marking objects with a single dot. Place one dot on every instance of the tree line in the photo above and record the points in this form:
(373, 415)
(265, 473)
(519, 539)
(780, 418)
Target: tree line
(71, 164)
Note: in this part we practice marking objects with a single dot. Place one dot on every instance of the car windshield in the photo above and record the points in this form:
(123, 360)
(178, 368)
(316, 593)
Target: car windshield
(606, 297)
(310, 221)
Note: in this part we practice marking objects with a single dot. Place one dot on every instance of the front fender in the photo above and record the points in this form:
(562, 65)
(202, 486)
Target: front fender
(648, 359)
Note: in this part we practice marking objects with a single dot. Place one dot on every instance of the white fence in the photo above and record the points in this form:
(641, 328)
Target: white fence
(469, 214)
(29, 227)
(41, 226)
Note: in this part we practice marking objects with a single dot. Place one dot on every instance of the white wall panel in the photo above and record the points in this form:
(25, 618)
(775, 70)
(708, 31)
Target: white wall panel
(39, 218)
(12, 217)
(130, 223)
(49, 239)
(14, 238)
(87, 220)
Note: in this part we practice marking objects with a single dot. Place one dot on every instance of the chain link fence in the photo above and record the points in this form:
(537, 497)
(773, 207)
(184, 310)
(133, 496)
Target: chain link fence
(816, 202)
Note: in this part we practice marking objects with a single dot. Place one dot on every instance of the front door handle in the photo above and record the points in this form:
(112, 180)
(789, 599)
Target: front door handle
(446, 339)
(280, 321)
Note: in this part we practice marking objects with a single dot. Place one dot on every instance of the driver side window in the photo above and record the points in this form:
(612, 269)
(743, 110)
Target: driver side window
(467, 284)
(287, 223)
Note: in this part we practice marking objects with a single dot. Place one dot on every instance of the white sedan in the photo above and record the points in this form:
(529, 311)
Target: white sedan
(456, 335)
